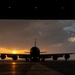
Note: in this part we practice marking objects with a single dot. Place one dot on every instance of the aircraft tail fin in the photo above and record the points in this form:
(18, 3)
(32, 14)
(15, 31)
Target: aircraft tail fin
(35, 42)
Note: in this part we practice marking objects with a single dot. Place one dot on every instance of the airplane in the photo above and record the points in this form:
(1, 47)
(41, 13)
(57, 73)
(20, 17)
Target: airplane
(35, 55)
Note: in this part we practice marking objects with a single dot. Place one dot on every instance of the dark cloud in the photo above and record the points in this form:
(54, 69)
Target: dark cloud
(21, 33)
(70, 28)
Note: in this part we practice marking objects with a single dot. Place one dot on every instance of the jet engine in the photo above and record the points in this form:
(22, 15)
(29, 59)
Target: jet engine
(3, 56)
(55, 57)
(67, 56)
(14, 57)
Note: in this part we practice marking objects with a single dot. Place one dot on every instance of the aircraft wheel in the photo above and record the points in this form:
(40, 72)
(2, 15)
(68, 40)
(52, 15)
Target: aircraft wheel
(43, 60)
(27, 60)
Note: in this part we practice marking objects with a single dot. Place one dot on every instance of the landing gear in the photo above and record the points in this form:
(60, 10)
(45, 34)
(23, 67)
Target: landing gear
(35, 59)
(38, 60)
(65, 59)
(43, 60)
(27, 60)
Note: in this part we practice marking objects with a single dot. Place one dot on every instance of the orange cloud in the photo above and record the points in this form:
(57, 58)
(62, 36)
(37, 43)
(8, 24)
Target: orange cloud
(5, 50)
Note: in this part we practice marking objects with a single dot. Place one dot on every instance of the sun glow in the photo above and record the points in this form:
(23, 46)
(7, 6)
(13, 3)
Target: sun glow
(14, 52)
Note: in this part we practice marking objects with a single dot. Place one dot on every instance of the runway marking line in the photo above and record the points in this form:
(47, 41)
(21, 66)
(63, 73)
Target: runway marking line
(39, 69)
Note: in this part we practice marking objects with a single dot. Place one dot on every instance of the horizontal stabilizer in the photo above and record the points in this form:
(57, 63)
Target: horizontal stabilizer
(26, 52)
(44, 52)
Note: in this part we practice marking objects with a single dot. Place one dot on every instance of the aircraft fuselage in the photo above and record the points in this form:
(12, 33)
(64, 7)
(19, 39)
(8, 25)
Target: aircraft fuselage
(35, 53)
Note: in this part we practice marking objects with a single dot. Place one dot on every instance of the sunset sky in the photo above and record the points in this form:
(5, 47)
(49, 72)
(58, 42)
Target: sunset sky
(53, 36)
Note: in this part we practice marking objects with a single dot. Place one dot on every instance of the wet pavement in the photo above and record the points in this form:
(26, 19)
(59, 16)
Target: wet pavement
(14, 68)
(37, 68)
(66, 68)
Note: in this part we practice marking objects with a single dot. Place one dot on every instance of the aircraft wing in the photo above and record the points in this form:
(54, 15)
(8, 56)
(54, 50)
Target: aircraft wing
(56, 56)
(41, 55)
(44, 56)
(2, 55)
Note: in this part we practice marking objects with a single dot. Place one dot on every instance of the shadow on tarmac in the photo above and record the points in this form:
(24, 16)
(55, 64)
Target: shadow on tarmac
(66, 68)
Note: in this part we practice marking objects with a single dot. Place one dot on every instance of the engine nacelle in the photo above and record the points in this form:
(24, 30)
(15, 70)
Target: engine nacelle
(3, 56)
(67, 56)
(14, 57)
(55, 57)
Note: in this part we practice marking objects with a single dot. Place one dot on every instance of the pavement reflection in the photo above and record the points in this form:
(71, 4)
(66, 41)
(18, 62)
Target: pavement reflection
(14, 68)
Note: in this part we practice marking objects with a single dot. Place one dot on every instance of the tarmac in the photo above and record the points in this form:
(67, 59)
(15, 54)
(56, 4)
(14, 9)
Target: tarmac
(37, 68)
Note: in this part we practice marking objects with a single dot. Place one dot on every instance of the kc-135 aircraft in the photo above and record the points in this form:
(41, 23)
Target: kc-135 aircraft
(35, 55)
